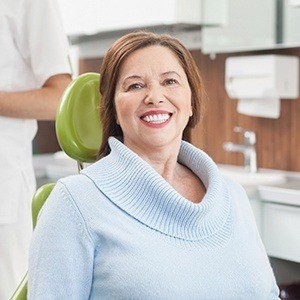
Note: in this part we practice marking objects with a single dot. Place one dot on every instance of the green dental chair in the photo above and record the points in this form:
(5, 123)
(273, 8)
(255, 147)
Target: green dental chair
(79, 133)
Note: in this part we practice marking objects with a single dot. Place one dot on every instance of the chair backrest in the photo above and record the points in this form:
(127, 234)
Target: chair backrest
(38, 201)
(78, 126)
(79, 133)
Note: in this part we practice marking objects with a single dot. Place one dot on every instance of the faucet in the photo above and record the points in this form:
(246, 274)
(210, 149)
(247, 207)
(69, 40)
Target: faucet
(247, 148)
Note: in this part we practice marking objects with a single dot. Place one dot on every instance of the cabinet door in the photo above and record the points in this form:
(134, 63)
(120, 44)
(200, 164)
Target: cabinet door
(96, 16)
(257, 207)
(291, 23)
(281, 231)
(214, 12)
(250, 25)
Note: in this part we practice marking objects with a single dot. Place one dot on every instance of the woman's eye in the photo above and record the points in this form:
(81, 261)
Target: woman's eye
(135, 86)
(170, 81)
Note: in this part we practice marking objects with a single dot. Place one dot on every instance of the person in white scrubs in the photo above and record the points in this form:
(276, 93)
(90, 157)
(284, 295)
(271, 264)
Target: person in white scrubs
(34, 71)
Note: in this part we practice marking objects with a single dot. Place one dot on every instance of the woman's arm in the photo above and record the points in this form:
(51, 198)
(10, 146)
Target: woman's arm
(61, 252)
(273, 288)
(246, 215)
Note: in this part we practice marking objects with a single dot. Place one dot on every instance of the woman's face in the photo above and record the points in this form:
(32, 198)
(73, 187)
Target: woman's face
(152, 98)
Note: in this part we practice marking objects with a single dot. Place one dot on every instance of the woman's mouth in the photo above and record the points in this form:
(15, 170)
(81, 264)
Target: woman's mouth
(156, 120)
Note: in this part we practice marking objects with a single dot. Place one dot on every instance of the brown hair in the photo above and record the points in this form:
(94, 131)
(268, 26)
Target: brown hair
(109, 73)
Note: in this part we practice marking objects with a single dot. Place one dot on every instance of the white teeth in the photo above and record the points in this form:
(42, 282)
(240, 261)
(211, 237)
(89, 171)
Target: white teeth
(160, 118)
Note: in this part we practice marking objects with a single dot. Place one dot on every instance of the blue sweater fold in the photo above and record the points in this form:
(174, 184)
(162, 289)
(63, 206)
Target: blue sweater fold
(119, 230)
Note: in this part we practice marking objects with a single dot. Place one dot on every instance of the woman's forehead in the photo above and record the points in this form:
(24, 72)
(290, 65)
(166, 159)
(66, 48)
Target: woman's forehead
(153, 58)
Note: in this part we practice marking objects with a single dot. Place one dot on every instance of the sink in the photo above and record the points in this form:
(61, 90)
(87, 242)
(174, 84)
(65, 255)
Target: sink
(247, 179)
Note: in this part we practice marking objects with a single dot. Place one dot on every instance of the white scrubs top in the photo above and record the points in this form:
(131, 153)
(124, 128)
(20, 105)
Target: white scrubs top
(33, 47)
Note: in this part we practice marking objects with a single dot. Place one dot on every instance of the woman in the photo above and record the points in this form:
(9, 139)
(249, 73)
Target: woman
(153, 218)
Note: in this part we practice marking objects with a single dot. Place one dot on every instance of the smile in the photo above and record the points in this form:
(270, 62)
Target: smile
(156, 120)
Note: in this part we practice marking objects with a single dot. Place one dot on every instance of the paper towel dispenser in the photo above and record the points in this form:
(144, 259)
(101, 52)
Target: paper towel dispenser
(260, 81)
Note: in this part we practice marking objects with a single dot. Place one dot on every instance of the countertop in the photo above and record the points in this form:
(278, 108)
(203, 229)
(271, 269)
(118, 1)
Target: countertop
(51, 167)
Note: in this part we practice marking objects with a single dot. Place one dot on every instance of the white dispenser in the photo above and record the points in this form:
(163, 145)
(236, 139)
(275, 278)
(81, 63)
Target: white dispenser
(260, 81)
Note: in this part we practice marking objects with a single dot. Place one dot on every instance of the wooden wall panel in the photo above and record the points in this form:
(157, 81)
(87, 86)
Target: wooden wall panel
(45, 140)
(89, 65)
(278, 140)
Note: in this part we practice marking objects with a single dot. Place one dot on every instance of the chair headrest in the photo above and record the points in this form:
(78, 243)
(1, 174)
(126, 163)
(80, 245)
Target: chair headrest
(78, 126)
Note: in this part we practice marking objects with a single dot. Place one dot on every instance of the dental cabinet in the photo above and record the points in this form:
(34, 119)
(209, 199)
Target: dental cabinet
(277, 214)
(281, 219)
(113, 16)
(291, 23)
(274, 197)
(250, 26)
(255, 25)
(281, 224)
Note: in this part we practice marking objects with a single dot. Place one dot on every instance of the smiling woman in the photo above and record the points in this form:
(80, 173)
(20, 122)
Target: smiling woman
(153, 218)
(156, 94)
(131, 71)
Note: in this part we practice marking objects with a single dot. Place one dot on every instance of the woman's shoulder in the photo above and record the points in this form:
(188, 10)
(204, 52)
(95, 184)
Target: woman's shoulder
(235, 187)
(241, 201)
(67, 190)
(73, 198)
(238, 194)
(74, 182)
(74, 189)
(82, 181)
(78, 186)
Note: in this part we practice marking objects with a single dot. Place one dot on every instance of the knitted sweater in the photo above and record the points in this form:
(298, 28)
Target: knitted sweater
(119, 230)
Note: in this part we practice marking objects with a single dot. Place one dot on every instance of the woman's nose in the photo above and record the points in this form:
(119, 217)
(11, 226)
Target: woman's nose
(154, 96)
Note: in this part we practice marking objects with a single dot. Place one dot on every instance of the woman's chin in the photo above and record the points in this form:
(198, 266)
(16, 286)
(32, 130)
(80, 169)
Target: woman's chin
(158, 141)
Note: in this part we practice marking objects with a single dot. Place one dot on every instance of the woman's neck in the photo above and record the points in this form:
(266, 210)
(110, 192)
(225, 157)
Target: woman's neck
(163, 159)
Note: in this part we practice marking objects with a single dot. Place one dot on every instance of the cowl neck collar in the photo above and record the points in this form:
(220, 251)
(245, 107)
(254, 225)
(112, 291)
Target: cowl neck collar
(134, 186)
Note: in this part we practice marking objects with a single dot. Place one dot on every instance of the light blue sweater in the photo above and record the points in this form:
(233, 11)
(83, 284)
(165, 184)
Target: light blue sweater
(118, 230)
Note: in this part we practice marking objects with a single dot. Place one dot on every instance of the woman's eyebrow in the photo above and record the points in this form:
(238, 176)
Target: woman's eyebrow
(132, 77)
(170, 73)
(128, 78)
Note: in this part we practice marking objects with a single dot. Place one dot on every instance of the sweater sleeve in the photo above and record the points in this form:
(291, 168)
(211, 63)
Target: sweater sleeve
(61, 252)
(273, 288)
(248, 217)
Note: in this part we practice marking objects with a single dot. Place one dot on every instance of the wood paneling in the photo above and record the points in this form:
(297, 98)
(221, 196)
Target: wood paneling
(45, 140)
(89, 65)
(278, 140)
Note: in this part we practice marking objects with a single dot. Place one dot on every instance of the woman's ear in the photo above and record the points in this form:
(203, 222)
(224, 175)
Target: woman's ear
(191, 113)
(117, 121)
